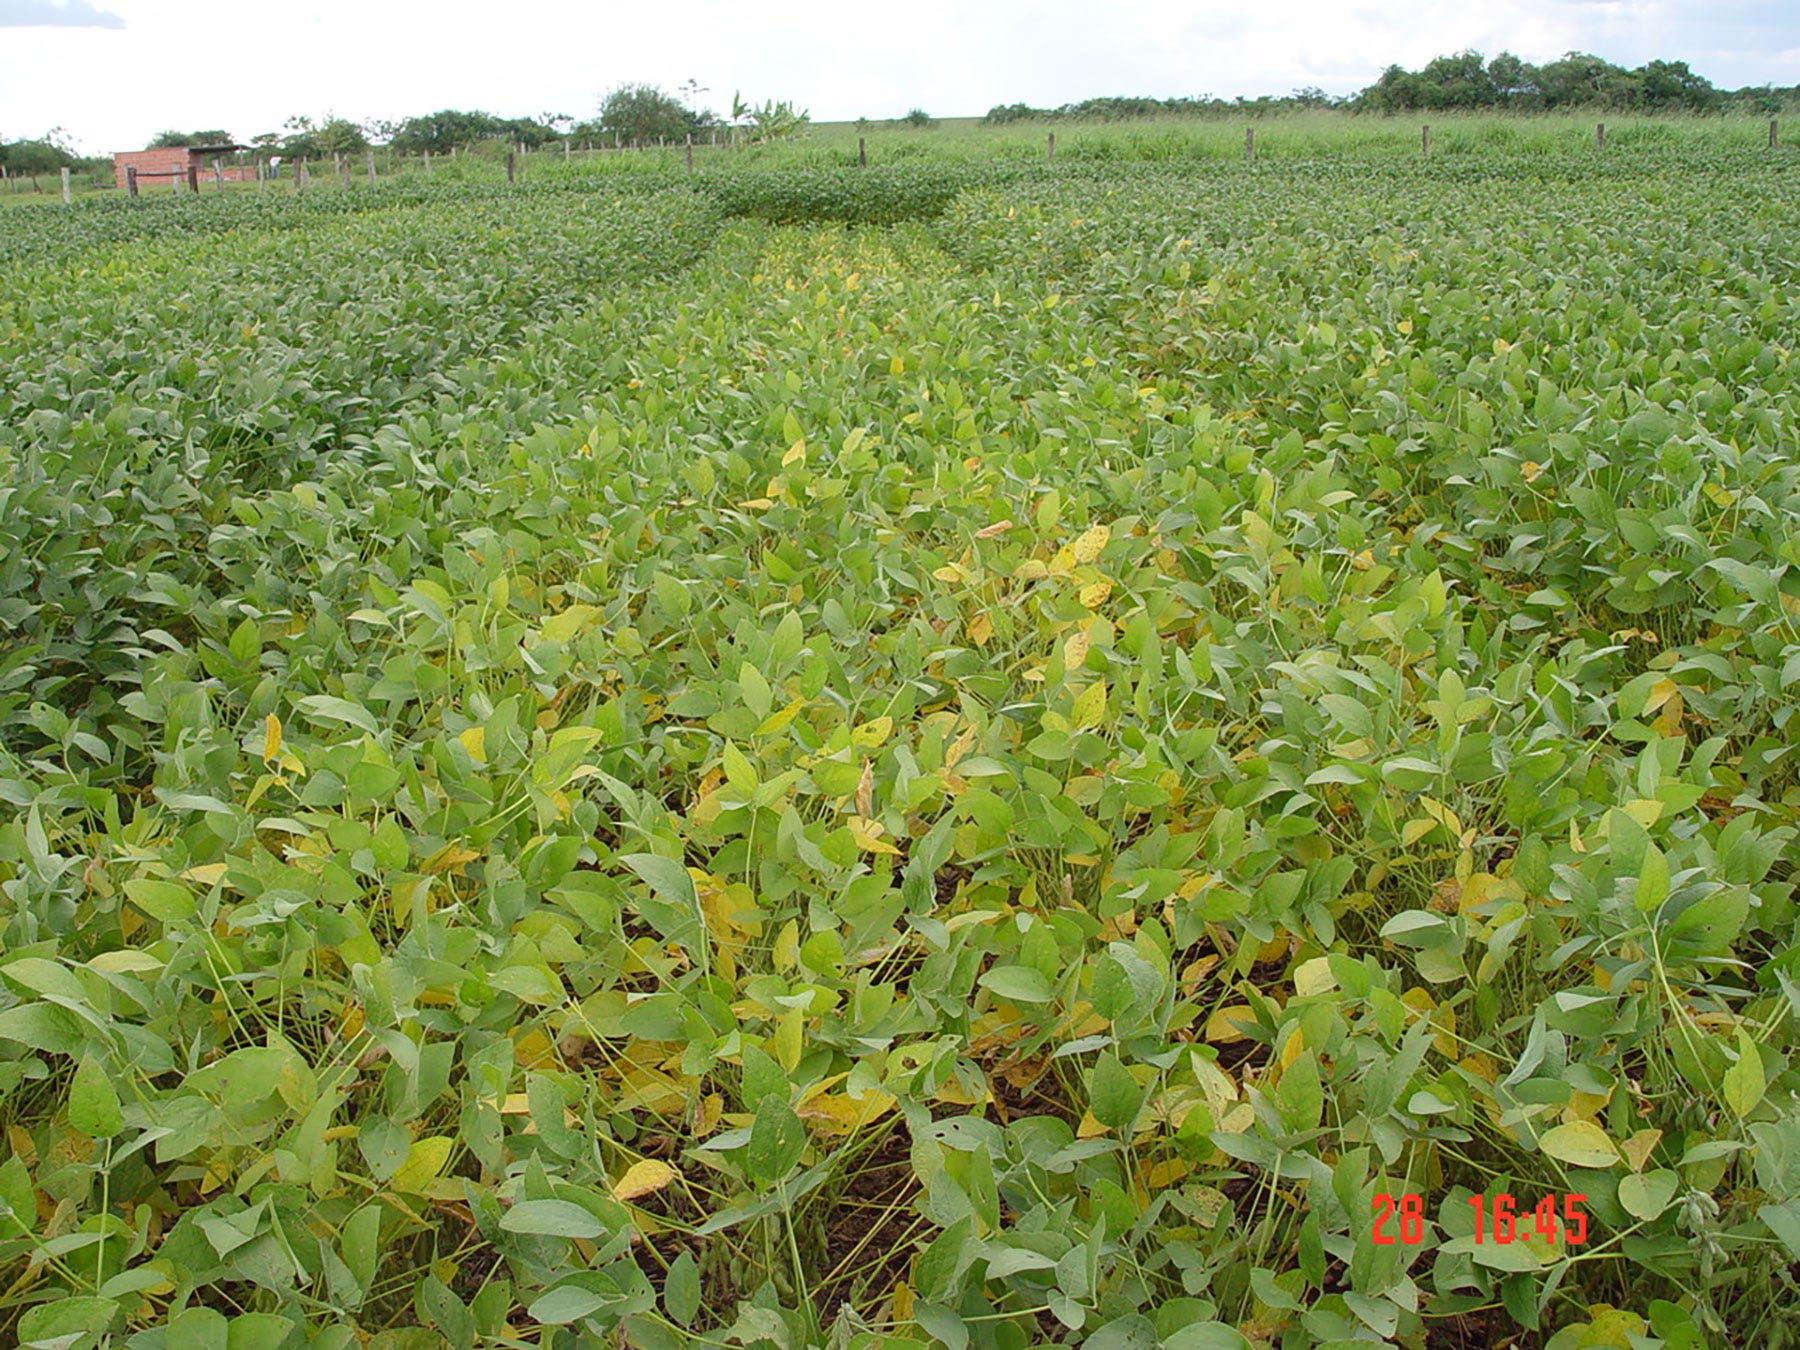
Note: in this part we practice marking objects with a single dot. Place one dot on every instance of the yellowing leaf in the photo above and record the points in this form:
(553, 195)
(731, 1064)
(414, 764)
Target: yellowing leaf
(1090, 706)
(796, 454)
(424, 1160)
(981, 629)
(1090, 544)
(1638, 1148)
(707, 1113)
(1314, 977)
(778, 720)
(756, 504)
(1745, 1083)
(271, 737)
(1219, 1028)
(991, 531)
(867, 834)
(641, 1178)
(1580, 1143)
(787, 946)
(1075, 649)
(873, 733)
(835, 1114)
(474, 740)
(565, 626)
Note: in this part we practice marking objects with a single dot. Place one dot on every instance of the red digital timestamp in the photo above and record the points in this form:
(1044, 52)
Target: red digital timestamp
(1498, 1220)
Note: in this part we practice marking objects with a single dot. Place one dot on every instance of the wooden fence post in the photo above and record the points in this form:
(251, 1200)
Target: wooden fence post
(302, 179)
(218, 176)
(1249, 145)
(862, 153)
(175, 174)
(565, 147)
(130, 181)
(1599, 135)
(509, 167)
(1050, 148)
(690, 152)
(1425, 139)
(343, 168)
(262, 175)
(371, 168)
(1774, 142)
(68, 196)
(428, 163)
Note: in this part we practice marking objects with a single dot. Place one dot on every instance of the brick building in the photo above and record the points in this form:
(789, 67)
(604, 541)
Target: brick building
(191, 162)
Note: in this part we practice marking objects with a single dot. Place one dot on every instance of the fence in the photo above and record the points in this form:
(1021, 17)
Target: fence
(296, 175)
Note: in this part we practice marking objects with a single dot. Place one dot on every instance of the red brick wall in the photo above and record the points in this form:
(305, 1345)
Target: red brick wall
(153, 168)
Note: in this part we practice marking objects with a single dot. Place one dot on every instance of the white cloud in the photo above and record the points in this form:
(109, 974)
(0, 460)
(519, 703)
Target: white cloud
(56, 14)
(246, 68)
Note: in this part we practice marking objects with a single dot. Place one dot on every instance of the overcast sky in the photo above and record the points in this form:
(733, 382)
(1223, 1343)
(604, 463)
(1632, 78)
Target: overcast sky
(115, 72)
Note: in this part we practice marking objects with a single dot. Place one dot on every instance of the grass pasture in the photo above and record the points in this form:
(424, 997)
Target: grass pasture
(971, 753)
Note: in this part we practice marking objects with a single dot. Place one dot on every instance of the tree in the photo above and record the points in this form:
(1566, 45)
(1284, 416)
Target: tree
(642, 112)
(335, 136)
(441, 132)
(180, 140)
(771, 121)
(1513, 78)
(1577, 79)
(919, 120)
(44, 155)
(1670, 84)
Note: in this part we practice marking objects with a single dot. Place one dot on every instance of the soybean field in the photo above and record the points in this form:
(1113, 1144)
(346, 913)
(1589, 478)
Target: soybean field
(1126, 753)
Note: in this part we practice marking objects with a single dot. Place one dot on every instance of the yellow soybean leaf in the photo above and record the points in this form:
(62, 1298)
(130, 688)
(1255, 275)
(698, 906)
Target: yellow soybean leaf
(1092, 541)
(1745, 1083)
(1580, 1143)
(707, 1114)
(1090, 706)
(641, 1178)
(873, 732)
(1314, 977)
(789, 1039)
(271, 737)
(787, 946)
(777, 721)
(1220, 1029)
(424, 1161)
(1638, 1148)
(867, 834)
(834, 1114)
(564, 626)
(1075, 650)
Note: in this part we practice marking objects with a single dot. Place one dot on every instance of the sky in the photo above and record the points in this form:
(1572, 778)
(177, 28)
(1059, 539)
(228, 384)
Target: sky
(113, 73)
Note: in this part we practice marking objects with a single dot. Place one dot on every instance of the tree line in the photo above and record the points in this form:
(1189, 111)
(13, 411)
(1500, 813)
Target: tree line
(630, 114)
(1465, 81)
